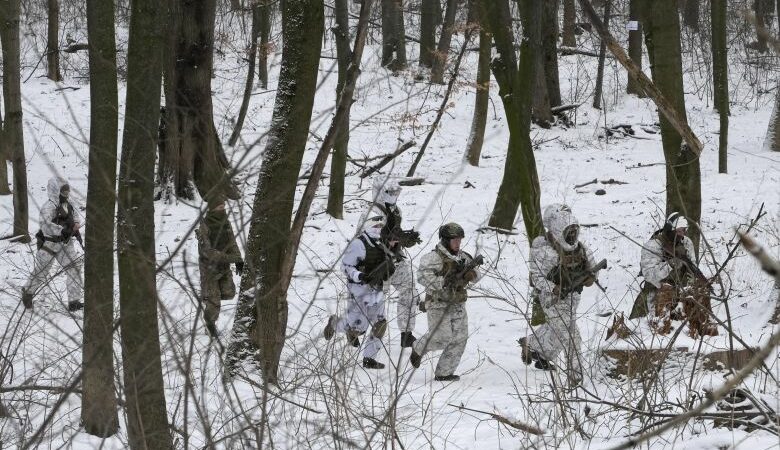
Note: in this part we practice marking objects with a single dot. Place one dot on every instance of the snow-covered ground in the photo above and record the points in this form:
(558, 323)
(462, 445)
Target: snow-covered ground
(325, 398)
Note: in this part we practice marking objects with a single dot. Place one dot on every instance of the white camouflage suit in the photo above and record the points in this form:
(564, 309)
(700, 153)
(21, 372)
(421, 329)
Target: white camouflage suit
(448, 327)
(386, 192)
(63, 252)
(366, 305)
(560, 331)
(655, 268)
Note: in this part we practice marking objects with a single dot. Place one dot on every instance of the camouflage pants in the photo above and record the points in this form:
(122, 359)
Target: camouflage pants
(68, 259)
(559, 333)
(216, 285)
(366, 307)
(448, 330)
(403, 282)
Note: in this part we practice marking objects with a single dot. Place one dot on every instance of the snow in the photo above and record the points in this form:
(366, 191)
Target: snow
(325, 398)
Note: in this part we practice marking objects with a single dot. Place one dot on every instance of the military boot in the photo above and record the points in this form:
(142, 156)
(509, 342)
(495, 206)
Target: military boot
(525, 352)
(371, 363)
(543, 364)
(27, 299)
(330, 328)
(415, 359)
(407, 339)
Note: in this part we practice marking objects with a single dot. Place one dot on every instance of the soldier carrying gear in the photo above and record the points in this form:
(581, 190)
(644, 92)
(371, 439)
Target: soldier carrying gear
(368, 263)
(446, 272)
(386, 192)
(60, 222)
(672, 280)
(560, 266)
(217, 249)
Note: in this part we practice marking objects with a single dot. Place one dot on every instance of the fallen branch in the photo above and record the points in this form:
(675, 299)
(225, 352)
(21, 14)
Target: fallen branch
(565, 51)
(664, 106)
(563, 108)
(512, 423)
(594, 181)
(406, 146)
(73, 48)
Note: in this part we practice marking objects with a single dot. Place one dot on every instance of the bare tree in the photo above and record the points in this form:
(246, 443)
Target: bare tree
(393, 35)
(147, 421)
(569, 38)
(635, 45)
(482, 97)
(443, 47)
(257, 10)
(99, 403)
(430, 17)
(691, 15)
(265, 12)
(13, 128)
(772, 139)
(602, 55)
(338, 164)
(261, 297)
(4, 190)
(720, 78)
(53, 42)
(520, 184)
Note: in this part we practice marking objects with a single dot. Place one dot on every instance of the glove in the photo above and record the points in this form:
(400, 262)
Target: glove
(676, 263)
(66, 234)
(239, 267)
(589, 281)
(470, 276)
(362, 278)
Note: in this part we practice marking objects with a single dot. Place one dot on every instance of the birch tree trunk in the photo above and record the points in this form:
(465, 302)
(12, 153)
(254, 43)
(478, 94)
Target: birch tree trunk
(147, 420)
(99, 403)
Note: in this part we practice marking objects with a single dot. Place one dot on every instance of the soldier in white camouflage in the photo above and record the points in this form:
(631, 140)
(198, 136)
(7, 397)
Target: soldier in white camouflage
(385, 204)
(446, 273)
(557, 259)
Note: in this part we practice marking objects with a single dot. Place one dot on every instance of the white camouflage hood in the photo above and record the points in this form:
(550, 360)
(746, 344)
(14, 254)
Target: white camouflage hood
(53, 189)
(556, 219)
(386, 190)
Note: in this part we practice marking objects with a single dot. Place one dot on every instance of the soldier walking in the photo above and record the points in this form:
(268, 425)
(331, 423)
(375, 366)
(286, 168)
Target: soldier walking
(60, 223)
(446, 272)
(560, 266)
(368, 262)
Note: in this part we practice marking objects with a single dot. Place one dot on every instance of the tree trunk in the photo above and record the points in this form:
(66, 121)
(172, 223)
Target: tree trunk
(635, 46)
(393, 35)
(147, 421)
(550, 51)
(597, 93)
(691, 15)
(479, 120)
(520, 183)
(569, 22)
(683, 174)
(266, 9)
(541, 113)
(52, 42)
(98, 402)
(428, 21)
(758, 9)
(192, 148)
(250, 74)
(269, 229)
(13, 128)
(772, 139)
(443, 48)
(338, 164)
(720, 78)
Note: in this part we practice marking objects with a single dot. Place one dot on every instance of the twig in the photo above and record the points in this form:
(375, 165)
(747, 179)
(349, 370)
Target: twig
(406, 146)
(512, 423)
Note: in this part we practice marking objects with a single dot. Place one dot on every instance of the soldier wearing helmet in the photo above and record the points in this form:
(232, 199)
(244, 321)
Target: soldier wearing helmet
(446, 273)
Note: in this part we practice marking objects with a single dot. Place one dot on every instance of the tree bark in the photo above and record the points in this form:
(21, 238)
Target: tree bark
(683, 174)
(269, 229)
(569, 22)
(597, 93)
(250, 74)
(550, 51)
(443, 48)
(772, 139)
(147, 421)
(52, 42)
(98, 402)
(338, 164)
(520, 183)
(428, 21)
(759, 10)
(393, 35)
(635, 46)
(13, 128)
(665, 107)
(532, 32)
(265, 45)
(482, 98)
(193, 151)
(720, 78)
(691, 15)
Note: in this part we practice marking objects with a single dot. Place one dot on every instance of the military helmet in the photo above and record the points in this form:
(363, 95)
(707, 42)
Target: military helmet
(451, 231)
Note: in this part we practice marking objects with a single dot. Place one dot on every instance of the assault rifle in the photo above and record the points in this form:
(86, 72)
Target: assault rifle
(575, 282)
(688, 263)
(68, 225)
(456, 278)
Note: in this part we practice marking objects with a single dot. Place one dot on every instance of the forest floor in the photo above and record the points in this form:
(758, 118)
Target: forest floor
(325, 398)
